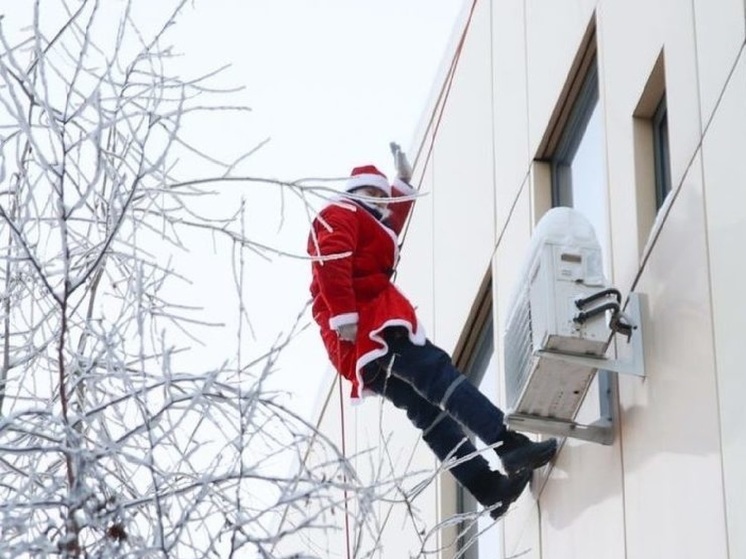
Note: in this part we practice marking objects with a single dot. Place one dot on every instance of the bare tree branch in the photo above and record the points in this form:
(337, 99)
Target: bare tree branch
(114, 442)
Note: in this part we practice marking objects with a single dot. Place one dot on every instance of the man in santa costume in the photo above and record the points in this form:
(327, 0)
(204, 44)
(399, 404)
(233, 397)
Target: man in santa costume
(376, 342)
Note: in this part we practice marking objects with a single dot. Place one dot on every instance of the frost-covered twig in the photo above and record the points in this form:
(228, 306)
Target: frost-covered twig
(114, 440)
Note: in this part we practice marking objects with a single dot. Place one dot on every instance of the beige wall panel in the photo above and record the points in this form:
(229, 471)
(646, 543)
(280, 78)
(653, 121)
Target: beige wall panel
(507, 264)
(522, 538)
(670, 424)
(415, 271)
(505, 274)
(520, 525)
(463, 193)
(684, 127)
(725, 175)
(720, 35)
(584, 495)
(510, 104)
(387, 446)
(582, 505)
(554, 31)
(625, 66)
(654, 25)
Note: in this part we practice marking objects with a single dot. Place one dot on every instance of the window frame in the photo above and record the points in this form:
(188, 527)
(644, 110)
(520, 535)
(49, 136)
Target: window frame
(571, 136)
(661, 153)
(561, 159)
(475, 371)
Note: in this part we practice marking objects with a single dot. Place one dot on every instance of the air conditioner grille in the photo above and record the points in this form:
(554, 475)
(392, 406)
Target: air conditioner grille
(518, 348)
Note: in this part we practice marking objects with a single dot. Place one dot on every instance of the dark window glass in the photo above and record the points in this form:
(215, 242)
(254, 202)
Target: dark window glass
(661, 152)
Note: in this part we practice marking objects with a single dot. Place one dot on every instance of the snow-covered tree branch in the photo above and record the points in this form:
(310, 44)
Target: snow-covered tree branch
(111, 444)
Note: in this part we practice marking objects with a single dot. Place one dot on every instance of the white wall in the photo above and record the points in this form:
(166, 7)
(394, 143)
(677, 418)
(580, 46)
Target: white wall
(671, 484)
(463, 197)
(724, 176)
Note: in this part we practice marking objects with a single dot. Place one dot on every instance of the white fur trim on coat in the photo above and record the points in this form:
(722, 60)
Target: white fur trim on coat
(370, 179)
(343, 319)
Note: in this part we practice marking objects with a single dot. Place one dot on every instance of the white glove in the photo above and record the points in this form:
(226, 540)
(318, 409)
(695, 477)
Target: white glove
(347, 332)
(403, 168)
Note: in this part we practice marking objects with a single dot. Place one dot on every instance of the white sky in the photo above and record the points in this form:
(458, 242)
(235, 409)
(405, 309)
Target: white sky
(331, 82)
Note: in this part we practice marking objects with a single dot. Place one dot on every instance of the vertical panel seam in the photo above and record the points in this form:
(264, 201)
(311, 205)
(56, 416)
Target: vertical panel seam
(492, 127)
(600, 64)
(713, 336)
(525, 82)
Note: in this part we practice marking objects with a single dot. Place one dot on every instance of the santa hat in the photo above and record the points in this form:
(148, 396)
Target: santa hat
(368, 175)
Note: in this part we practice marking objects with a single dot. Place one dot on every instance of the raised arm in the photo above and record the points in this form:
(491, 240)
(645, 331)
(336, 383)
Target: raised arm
(400, 209)
(400, 187)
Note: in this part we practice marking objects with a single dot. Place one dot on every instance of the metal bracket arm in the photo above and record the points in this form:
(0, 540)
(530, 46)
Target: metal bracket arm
(633, 365)
(600, 431)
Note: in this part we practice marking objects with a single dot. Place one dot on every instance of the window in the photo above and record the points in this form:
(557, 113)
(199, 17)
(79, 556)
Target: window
(579, 164)
(481, 371)
(653, 179)
(661, 154)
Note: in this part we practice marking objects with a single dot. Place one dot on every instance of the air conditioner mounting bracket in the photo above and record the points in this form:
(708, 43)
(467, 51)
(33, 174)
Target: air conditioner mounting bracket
(602, 430)
(632, 365)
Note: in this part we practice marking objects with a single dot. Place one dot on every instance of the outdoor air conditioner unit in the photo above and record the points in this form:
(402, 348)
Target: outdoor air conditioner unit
(559, 329)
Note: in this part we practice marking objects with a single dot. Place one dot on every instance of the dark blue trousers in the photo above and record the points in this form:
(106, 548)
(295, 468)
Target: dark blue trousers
(438, 400)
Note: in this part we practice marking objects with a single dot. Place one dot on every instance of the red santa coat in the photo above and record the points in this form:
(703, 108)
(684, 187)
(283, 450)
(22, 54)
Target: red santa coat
(352, 281)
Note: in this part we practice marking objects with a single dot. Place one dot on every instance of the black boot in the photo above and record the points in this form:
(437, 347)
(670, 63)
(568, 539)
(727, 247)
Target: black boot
(497, 492)
(519, 453)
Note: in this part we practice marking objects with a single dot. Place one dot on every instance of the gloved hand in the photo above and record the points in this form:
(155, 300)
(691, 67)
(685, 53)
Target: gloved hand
(347, 332)
(403, 168)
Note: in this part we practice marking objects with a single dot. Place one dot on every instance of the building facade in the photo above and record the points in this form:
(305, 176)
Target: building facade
(634, 113)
